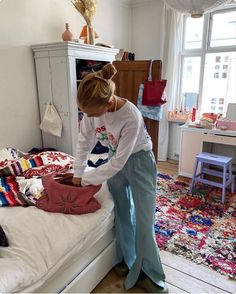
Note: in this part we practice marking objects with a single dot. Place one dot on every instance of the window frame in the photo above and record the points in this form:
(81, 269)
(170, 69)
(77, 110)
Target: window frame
(204, 50)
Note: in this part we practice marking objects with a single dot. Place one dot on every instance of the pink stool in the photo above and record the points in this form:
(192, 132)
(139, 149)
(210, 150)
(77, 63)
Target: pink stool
(226, 174)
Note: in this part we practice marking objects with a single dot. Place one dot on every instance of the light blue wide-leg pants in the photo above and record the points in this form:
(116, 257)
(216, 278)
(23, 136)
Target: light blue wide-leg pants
(134, 193)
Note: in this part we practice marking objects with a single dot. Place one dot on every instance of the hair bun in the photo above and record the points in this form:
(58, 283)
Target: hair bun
(108, 71)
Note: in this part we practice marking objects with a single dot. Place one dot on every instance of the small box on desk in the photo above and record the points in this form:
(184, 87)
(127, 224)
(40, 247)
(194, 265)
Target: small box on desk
(226, 124)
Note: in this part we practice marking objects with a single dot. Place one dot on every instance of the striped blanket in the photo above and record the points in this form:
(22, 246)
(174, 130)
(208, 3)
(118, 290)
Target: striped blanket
(20, 174)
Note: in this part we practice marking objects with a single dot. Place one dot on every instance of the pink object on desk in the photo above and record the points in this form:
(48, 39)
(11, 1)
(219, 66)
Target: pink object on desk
(226, 124)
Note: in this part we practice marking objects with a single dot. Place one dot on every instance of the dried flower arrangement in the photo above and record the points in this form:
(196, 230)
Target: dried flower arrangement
(87, 8)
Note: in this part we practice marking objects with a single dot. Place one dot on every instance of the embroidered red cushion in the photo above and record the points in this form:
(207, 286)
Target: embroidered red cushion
(61, 196)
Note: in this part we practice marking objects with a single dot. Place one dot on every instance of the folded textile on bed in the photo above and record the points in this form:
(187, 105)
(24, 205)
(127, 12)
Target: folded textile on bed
(20, 173)
(3, 238)
(62, 196)
(19, 166)
(9, 153)
(18, 191)
(30, 165)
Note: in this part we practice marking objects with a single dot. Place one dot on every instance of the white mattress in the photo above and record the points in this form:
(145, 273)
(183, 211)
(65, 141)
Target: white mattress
(41, 242)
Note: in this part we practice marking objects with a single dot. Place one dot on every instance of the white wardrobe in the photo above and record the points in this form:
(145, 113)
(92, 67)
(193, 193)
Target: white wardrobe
(59, 67)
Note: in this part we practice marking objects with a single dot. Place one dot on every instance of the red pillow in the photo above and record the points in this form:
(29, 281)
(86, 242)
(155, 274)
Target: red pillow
(61, 196)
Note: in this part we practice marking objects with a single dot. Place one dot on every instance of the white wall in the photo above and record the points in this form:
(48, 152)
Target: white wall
(27, 22)
(146, 28)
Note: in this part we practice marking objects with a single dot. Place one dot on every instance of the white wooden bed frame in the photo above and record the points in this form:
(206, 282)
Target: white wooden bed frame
(84, 274)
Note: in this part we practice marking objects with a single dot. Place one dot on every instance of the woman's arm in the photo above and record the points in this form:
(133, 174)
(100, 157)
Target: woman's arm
(86, 142)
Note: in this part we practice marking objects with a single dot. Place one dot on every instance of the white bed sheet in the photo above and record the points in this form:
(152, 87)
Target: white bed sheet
(41, 242)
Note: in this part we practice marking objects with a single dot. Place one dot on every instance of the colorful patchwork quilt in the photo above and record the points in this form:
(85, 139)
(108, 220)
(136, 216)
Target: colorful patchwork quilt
(20, 174)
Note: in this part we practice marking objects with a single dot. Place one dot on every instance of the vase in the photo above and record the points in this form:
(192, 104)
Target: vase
(67, 35)
(90, 34)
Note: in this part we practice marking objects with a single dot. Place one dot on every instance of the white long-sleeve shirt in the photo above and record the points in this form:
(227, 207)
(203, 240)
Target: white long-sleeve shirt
(122, 131)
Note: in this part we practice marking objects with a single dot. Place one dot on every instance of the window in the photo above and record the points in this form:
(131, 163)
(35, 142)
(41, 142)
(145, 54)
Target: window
(213, 100)
(221, 101)
(209, 60)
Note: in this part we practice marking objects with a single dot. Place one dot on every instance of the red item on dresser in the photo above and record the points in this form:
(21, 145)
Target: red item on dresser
(194, 111)
(212, 116)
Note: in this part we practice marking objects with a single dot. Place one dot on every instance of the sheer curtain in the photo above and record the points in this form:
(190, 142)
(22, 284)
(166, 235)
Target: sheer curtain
(171, 42)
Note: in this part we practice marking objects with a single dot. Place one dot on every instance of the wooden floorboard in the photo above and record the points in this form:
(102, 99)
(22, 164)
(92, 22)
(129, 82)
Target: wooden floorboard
(114, 284)
(199, 271)
(182, 275)
(188, 282)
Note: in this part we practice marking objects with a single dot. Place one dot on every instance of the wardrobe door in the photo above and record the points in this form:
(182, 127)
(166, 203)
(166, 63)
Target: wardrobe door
(130, 74)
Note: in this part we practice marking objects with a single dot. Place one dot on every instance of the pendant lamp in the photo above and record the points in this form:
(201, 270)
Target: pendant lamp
(195, 7)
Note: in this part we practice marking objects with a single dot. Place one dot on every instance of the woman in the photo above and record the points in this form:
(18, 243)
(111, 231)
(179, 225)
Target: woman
(130, 174)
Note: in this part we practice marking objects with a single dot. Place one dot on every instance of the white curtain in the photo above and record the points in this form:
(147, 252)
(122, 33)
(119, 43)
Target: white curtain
(172, 33)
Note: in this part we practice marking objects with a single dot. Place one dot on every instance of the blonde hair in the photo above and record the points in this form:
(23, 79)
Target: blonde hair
(97, 88)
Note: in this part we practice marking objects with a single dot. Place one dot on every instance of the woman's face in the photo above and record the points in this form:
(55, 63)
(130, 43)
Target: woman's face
(96, 111)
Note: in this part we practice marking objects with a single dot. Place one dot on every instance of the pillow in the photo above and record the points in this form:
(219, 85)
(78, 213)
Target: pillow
(60, 195)
(3, 238)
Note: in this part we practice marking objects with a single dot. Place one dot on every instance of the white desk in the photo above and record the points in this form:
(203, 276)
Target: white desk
(196, 140)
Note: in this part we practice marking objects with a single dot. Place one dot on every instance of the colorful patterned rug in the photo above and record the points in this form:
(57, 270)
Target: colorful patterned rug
(198, 227)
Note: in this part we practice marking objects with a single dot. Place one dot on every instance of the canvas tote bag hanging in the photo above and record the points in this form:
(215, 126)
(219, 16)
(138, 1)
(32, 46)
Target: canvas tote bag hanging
(153, 90)
(51, 122)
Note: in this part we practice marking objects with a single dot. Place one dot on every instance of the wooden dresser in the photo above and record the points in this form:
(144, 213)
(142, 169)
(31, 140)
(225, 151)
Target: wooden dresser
(130, 74)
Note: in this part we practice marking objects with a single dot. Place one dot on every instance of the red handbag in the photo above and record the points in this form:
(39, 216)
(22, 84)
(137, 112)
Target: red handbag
(60, 195)
(153, 90)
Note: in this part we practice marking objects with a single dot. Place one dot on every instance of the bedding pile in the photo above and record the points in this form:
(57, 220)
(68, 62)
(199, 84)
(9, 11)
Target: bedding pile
(40, 242)
(20, 174)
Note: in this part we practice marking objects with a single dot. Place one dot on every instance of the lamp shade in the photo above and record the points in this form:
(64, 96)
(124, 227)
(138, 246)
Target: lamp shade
(84, 34)
(195, 7)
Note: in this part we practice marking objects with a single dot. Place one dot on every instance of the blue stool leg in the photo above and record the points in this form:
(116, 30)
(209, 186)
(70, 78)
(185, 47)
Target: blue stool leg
(231, 177)
(224, 183)
(232, 185)
(201, 169)
(194, 176)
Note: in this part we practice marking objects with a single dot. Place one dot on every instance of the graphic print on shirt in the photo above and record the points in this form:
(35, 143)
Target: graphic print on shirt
(106, 139)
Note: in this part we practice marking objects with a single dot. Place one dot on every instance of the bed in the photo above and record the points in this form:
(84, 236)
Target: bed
(52, 252)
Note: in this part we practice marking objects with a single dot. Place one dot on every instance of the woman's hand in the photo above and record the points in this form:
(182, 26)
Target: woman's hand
(76, 181)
